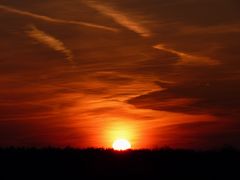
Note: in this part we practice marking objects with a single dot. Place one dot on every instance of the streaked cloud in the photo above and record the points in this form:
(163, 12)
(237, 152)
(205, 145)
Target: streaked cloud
(54, 20)
(188, 58)
(218, 97)
(50, 41)
(120, 17)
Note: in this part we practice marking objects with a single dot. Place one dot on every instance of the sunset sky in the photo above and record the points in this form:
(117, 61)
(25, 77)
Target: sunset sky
(83, 73)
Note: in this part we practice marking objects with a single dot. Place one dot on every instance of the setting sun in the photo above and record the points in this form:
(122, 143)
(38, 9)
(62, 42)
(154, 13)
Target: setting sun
(121, 144)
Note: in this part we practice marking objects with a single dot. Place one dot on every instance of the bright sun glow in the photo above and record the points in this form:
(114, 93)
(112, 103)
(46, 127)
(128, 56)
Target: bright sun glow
(121, 145)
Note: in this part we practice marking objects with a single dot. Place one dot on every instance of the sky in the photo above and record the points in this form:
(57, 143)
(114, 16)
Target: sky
(83, 73)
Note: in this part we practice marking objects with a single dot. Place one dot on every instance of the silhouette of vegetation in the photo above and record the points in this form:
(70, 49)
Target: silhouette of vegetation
(70, 163)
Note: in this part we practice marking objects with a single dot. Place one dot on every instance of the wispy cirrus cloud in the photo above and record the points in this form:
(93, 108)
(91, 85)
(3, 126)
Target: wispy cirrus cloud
(50, 41)
(54, 20)
(188, 58)
(120, 18)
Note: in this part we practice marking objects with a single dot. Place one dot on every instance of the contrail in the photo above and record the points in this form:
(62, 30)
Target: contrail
(55, 20)
(120, 18)
(188, 58)
(50, 42)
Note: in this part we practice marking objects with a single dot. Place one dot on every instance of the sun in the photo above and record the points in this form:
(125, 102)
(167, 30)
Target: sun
(121, 145)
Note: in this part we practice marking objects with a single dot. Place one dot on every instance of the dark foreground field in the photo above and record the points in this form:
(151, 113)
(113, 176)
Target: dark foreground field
(163, 164)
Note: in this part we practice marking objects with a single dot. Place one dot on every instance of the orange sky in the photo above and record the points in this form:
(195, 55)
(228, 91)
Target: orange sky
(84, 73)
